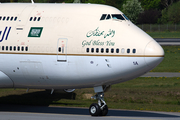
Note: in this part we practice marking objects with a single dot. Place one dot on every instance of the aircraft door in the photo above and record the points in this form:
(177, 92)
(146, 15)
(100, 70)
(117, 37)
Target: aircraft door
(62, 50)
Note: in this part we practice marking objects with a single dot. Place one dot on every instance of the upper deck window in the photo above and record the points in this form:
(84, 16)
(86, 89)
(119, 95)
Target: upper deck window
(4, 18)
(15, 18)
(11, 18)
(103, 16)
(35, 18)
(30, 18)
(39, 18)
(7, 18)
(117, 17)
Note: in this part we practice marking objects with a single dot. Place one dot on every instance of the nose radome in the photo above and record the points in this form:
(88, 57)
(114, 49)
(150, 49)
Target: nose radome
(154, 49)
(154, 54)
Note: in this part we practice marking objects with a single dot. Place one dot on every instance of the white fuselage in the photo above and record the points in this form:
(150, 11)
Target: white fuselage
(65, 46)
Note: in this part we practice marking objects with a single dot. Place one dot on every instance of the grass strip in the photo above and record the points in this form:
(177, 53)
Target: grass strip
(165, 34)
(171, 62)
(154, 94)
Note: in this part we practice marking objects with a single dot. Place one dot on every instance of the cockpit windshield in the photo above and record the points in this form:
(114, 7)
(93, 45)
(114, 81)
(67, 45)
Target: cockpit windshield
(103, 16)
(126, 17)
(114, 17)
(117, 17)
(108, 17)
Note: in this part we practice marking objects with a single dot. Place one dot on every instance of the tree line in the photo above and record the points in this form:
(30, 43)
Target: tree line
(138, 11)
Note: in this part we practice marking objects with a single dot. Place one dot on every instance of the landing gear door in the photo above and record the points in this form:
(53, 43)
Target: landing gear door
(62, 50)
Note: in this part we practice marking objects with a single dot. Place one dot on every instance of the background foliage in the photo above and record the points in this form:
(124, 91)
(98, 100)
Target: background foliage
(132, 9)
(155, 11)
(174, 13)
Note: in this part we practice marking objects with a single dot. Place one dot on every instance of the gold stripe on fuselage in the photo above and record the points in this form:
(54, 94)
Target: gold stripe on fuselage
(108, 55)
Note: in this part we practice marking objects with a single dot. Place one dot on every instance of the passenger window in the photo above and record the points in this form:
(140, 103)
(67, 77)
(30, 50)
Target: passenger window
(39, 18)
(4, 18)
(6, 47)
(134, 50)
(128, 50)
(26, 48)
(87, 50)
(112, 50)
(59, 49)
(117, 50)
(15, 18)
(92, 50)
(18, 48)
(97, 50)
(102, 50)
(14, 48)
(35, 18)
(122, 50)
(31, 19)
(11, 18)
(2, 47)
(22, 48)
(117, 17)
(108, 17)
(10, 48)
(7, 18)
(103, 16)
(107, 50)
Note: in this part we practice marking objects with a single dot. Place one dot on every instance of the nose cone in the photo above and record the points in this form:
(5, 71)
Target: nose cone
(154, 54)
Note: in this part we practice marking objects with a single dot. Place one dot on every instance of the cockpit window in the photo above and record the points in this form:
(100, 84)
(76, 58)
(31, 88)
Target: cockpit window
(108, 17)
(126, 17)
(103, 16)
(117, 17)
(114, 17)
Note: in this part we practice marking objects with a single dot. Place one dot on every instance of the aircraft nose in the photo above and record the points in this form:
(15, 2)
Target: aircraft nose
(154, 54)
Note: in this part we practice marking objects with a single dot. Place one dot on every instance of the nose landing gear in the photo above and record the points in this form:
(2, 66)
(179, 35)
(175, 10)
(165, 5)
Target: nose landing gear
(99, 109)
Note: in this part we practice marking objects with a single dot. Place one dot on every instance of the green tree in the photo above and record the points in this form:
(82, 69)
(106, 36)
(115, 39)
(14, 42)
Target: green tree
(164, 17)
(170, 14)
(174, 13)
(166, 3)
(94, 1)
(116, 3)
(151, 4)
(77, 1)
(132, 9)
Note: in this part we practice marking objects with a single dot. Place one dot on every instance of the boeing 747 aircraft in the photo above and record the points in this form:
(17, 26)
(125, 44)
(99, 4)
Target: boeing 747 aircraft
(72, 46)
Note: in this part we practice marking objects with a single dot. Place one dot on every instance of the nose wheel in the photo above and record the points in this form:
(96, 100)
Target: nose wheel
(100, 108)
(94, 109)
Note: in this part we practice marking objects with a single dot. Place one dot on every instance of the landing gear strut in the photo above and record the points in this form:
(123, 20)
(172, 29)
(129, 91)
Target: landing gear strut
(99, 109)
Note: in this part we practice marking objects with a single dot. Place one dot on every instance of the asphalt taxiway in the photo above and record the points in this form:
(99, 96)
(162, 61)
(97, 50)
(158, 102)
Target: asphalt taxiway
(22, 112)
(161, 74)
(168, 41)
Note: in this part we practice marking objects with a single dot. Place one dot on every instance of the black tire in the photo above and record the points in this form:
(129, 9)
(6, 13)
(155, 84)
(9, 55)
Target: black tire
(104, 112)
(94, 109)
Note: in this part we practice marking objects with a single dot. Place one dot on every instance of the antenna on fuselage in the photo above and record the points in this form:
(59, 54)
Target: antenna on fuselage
(32, 1)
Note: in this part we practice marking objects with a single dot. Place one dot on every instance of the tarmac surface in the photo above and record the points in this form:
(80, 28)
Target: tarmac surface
(161, 74)
(20, 112)
(168, 41)
(24, 112)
